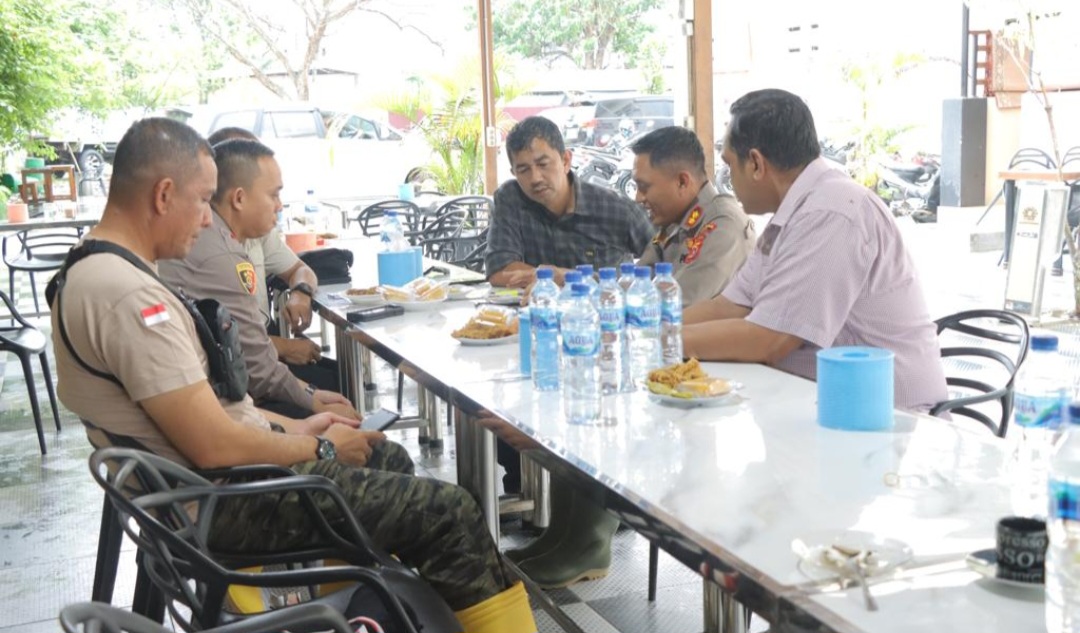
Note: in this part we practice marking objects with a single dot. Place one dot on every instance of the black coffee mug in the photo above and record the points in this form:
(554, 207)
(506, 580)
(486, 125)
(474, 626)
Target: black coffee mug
(1021, 549)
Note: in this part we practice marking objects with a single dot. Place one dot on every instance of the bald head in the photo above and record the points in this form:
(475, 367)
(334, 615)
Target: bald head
(153, 149)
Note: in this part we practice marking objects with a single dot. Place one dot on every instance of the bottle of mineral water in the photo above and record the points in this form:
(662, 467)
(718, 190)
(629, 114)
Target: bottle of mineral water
(643, 326)
(1063, 531)
(614, 368)
(586, 271)
(670, 314)
(626, 275)
(1039, 406)
(544, 317)
(566, 295)
(580, 328)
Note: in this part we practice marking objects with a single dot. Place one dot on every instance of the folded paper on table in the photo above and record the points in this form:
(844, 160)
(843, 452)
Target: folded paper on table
(855, 388)
(397, 268)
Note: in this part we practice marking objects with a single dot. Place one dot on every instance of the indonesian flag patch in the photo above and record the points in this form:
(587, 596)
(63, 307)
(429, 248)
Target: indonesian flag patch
(155, 315)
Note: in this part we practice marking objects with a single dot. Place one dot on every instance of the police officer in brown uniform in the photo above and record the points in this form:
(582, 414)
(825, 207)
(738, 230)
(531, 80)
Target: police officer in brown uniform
(135, 368)
(245, 207)
(704, 234)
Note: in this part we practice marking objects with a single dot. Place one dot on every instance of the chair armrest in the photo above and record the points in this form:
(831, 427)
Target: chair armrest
(13, 312)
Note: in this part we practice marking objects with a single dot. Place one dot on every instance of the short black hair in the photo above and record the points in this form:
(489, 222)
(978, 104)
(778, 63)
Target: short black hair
(671, 146)
(533, 127)
(237, 164)
(778, 124)
(230, 133)
(155, 148)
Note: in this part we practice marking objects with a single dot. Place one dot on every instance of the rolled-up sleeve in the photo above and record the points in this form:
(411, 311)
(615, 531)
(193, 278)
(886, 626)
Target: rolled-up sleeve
(505, 244)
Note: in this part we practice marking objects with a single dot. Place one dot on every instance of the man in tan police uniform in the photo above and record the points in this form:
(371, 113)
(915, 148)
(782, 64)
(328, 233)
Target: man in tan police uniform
(123, 323)
(218, 267)
(703, 233)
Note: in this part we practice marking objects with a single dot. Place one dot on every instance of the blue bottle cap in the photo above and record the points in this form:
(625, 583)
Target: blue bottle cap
(1074, 412)
(579, 290)
(607, 273)
(586, 270)
(627, 268)
(572, 277)
(545, 273)
(642, 272)
(663, 268)
(1044, 343)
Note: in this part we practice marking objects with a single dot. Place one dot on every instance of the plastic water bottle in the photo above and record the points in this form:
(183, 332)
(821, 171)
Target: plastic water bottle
(391, 234)
(626, 275)
(1063, 530)
(544, 316)
(643, 326)
(670, 314)
(580, 328)
(1039, 407)
(614, 368)
(566, 295)
(586, 271)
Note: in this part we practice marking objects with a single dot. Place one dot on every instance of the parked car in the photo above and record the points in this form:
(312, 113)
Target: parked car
(644, 112)
(88, 142)
(576, 122)
(334, 154)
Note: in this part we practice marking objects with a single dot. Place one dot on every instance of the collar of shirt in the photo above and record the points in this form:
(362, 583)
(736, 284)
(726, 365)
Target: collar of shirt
(218, 224)
(691, 220)
(800, 189)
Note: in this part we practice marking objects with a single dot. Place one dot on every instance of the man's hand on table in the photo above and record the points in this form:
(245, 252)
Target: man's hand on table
(298, 312)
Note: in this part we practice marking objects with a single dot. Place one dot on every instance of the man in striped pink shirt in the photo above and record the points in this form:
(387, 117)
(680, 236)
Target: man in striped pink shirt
(830, 269)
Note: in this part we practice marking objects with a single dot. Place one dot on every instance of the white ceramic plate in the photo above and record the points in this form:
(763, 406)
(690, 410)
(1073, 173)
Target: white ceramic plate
(731, 397)
(461, 293)
(487, 342)
(886, 554)
(365, 300)
(985, 563)
(421, 306)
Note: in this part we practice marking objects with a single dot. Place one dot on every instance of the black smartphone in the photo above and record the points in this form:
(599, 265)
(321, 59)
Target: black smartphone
(379, 420)
(375, 313)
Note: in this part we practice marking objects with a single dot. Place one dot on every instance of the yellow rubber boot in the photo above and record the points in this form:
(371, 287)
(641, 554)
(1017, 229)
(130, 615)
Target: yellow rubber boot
(507, 612)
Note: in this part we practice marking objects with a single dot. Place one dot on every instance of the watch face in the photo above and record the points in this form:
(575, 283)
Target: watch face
(325, 449)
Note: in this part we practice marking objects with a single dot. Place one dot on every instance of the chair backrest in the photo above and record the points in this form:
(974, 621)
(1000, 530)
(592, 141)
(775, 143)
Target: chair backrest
(174, 508)
(1032, 156)
(441, 238)
(97, 617)
(478, 209)
(984, 346)
(40, 244)
(370, 217)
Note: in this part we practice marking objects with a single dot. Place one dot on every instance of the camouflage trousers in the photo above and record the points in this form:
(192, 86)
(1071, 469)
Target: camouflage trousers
(431, 525)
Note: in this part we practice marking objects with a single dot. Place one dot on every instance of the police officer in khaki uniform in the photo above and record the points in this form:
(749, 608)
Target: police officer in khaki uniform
(246, 204)
(704, 234)
(123, 323)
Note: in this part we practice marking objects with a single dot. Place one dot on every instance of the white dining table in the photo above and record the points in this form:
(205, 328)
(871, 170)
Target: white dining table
(730, 490)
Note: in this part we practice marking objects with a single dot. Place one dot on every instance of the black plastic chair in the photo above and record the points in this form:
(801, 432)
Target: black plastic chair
(95, 617)
(441, 239)
(36, 251)
(174, 508)
(370, 217)
(998, 330)
(1072, 209)
(477, 210)
(24, 340)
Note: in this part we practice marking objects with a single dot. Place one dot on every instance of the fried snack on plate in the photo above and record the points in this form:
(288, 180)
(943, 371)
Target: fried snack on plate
(424, 289)
(362, 292)
(674, 374)
(489, 323)
(396, 294)
(704, 387)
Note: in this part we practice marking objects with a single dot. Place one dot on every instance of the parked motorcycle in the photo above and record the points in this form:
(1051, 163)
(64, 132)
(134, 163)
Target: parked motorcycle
(912, 188)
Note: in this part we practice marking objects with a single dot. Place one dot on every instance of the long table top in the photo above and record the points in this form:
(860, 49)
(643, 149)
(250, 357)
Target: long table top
(727, 490)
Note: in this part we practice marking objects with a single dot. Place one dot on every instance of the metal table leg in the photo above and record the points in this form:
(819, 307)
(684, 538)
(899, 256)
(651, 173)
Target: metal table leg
(535, 486)
(433, 409)
(367, 377)
(347, 374)
(723, 613)
(476, 467)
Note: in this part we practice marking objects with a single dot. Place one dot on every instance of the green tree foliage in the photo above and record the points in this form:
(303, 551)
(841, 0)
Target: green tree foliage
(36, 71)
(588, 32)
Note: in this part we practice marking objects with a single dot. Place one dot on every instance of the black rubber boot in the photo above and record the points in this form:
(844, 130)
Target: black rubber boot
(561, 498)
(583, 553)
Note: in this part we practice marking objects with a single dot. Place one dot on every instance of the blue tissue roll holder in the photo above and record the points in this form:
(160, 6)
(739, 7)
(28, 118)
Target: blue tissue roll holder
(855, 388)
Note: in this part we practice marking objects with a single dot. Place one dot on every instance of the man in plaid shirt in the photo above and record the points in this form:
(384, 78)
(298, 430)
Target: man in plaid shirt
(546, 217)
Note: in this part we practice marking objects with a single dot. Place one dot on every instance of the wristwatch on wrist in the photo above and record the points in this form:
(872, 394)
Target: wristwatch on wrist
(303, 287)
(325, 449)
(311, 389)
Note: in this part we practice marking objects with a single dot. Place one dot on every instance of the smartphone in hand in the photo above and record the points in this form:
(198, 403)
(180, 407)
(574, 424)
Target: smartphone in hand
(379, 420)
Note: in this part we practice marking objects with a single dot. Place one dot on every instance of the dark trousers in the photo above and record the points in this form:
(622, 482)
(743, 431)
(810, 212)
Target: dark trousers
(510, 460)
(431, 525)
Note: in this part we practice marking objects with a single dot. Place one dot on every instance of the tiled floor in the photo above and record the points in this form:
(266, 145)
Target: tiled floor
(50, 507)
